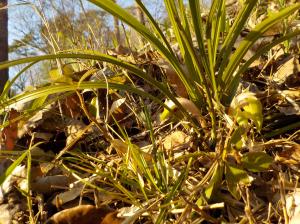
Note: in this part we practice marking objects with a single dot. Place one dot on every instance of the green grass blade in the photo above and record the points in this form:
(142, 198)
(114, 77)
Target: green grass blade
(13, 166)
(62, 88)
(178, 29)
(100, 57)
(11, 82)
(123, 15)
(233, 34)
(212, 36)
(198, 28)
(154, 24)
(174, 190)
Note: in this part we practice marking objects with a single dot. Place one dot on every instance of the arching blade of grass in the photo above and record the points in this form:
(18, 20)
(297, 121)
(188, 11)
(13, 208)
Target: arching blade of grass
(198, 28)
(11, 82)
(226, 77)
(62, 88)
(13, 166)
(100, 57)
(180, 27)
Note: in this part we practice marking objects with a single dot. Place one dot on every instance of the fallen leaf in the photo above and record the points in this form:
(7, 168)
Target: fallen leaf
(188, 105)
(173, 79)
(17, 178)
(289, 66)
(85, 214)
(289, 155)
(122, 148)
(290, 110)
(9, 134)
(66, 196)
(118, 109)
(176, 141)
(49, 184)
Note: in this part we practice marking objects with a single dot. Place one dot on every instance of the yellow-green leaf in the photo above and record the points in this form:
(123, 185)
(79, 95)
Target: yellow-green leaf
(235, 176)
(245, 107)
(256, 161)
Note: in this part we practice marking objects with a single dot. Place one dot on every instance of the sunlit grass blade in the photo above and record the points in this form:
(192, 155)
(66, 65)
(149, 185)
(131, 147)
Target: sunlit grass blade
(100, 57)
(174, 190)
(198, 25)
(178, 30)
(12, 167)
(62, 88)
(212, 35)
(154, 25)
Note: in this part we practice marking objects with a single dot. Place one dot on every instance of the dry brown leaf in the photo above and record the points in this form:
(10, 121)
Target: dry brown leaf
(17, 179)
(50, 183)
(85, 214)
(118, 109)
(290, 110)
(9, 135)
(289, 155)
(173, 79)
(75, 129)
(176, 141)
(289, 67)
(189, 106)
(122, 148)
(71, 106)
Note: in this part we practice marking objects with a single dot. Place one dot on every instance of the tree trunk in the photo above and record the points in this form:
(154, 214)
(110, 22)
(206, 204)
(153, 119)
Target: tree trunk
(3, 42)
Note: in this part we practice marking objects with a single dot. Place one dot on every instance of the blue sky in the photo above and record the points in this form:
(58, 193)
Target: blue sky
(16, 9)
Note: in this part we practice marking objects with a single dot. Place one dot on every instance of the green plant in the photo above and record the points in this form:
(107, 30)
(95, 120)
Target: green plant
(210, 73)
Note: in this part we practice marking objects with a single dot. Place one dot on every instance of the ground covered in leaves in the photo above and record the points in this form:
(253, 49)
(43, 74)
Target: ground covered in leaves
(107, 156)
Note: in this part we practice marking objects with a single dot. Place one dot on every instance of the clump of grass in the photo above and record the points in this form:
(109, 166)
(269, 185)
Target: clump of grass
(191, 186)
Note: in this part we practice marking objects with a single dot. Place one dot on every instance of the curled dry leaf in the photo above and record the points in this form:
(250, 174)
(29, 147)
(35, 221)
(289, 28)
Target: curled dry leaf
(86, 214)
(244, 107)
(188, 105)
(17, 179)
(75, 129)
(176, 141)
(66, 196)
(118, 109)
